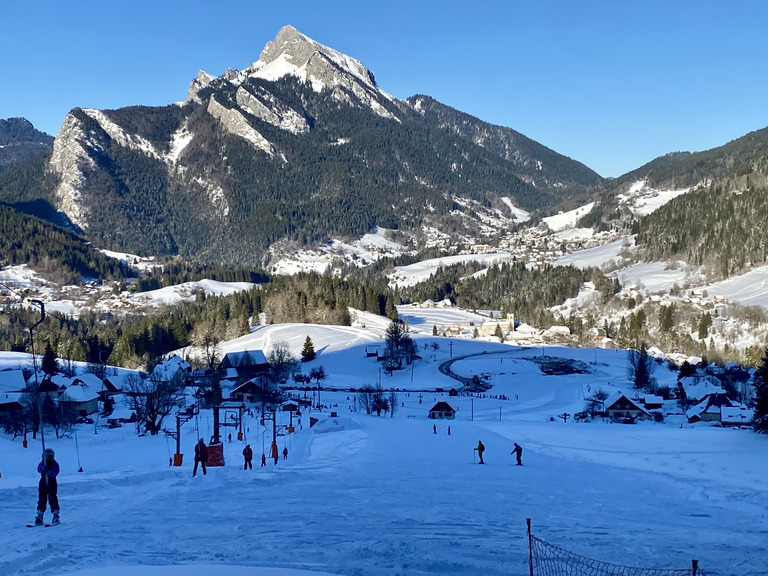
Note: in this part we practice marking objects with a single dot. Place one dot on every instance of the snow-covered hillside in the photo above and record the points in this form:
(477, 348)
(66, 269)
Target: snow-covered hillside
(360, 494)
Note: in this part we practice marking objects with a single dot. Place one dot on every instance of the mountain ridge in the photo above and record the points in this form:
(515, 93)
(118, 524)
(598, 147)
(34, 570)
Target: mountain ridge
(302, 145)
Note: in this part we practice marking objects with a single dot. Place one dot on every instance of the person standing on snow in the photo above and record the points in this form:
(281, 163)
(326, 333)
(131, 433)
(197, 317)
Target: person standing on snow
(285, 452)
(47, 489)
(480, 449)
(518, 452)
(263, 459)
(201, 456)
(248, 456)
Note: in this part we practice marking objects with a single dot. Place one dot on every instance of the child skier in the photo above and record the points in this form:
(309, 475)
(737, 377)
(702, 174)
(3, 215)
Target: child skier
(47, 489)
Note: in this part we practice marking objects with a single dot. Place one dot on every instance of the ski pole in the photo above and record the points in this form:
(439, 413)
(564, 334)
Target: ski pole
(77, 449)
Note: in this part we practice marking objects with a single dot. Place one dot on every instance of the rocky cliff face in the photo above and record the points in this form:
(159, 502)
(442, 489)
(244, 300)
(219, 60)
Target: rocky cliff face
(301, 145)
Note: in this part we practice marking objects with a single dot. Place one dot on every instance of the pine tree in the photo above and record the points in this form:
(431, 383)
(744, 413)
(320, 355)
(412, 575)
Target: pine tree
(49, 364)
(760, 418)
(308, 352)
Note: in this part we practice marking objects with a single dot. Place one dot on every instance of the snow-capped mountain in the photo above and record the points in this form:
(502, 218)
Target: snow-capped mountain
(301, 147)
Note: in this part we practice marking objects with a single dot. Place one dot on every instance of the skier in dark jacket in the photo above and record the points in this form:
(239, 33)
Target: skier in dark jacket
(480, 449)
(201, 456)
(47, 489)
(248, 455)
(518, 452)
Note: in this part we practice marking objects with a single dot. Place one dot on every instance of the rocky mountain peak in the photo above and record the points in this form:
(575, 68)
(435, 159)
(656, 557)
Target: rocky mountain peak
(291, 52)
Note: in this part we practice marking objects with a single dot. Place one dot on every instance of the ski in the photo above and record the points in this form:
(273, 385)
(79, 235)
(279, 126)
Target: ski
(36, 525)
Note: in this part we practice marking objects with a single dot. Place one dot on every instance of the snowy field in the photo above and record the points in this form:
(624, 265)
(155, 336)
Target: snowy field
(366, 495)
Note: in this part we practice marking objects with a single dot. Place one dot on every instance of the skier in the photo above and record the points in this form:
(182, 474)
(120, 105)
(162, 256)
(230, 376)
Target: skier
(285, 452)
(47, 489)
(273, 452)
(201, 456)
(263, 459)
(434, 428)
(518, 452)
(248, 455)
(449, 430)
(480, 449)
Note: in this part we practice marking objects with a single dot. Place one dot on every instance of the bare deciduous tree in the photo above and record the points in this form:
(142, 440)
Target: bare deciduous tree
(153, 399)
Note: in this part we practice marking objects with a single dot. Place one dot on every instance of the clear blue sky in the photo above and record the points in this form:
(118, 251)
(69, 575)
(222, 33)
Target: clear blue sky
(612, 84)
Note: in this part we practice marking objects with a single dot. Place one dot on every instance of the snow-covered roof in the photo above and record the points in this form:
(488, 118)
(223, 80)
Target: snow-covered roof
(244, 358)
(167, 369)
(79, 393)
(89, 380)
(12, 381)
(697, 387)
(736, 415)
(614, 398)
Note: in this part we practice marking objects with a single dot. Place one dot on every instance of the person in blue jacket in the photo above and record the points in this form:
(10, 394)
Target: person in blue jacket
(47, 489)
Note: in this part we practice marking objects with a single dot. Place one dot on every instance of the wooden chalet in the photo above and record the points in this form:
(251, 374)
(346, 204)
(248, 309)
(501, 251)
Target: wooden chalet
(711, 409)
(621, 408)
(251, 391)
(442, 411)
(245, 364)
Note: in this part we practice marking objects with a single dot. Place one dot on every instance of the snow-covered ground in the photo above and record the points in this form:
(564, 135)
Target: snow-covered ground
(367, 495)
(411, 274)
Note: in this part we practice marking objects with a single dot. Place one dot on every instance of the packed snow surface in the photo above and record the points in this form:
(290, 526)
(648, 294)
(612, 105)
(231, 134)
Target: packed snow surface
(367, 495)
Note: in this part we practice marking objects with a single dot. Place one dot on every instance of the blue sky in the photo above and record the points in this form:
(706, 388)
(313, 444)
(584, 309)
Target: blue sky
(611, 84)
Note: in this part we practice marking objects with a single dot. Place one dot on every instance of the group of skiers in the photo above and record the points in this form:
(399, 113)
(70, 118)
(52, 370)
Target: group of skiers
(201, 456)
(517, 451)
(49, 470)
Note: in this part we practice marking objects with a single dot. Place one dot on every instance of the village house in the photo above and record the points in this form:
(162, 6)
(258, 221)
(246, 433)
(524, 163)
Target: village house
(623, 408)
(174, 367)
(251, 391)
(489, 327)
(244, 364)
(81, 399)
(712, 407)
(442, 411)
(556, 335)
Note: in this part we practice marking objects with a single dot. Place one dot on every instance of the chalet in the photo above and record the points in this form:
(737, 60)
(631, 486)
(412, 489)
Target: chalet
(622, 408)
(250, 391)
(442, 411)
(736, 415)
(10, 407)
(52, 386)
(245, 364)
(173, 367)
(698, 387)
(372, 351)
(82, 399)
(710, 408)
(653, 402)
(12, 381)
(290, 406)
(557, 335)
(113, 384)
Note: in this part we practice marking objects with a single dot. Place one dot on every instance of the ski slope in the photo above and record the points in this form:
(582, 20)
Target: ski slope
(367, 495)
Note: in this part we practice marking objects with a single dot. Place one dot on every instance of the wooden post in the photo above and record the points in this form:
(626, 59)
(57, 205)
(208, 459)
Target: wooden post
(530, 546)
